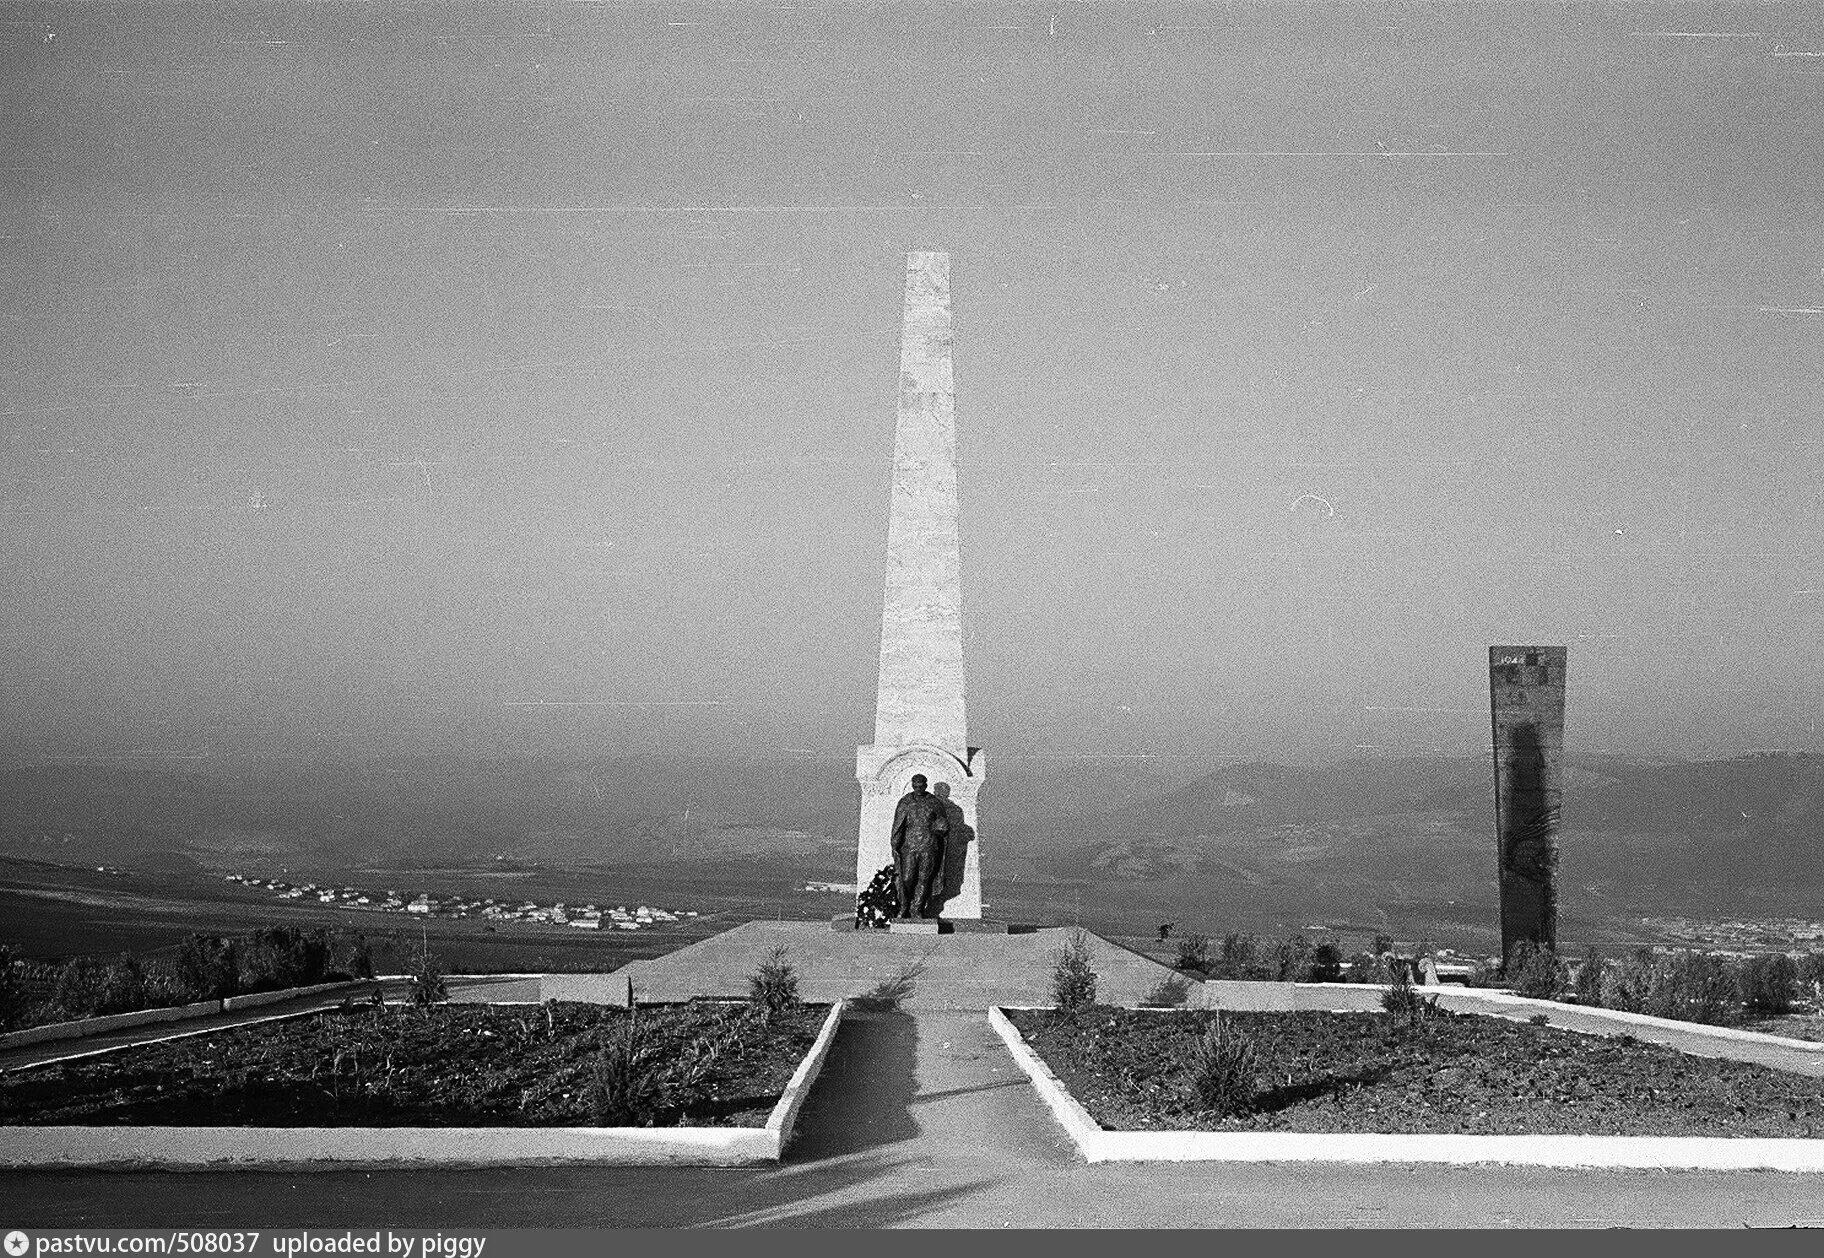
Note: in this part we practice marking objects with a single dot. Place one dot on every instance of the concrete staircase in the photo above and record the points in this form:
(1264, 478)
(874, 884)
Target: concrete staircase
(957, 971)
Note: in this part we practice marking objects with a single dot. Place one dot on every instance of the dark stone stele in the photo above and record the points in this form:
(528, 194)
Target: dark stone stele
(1526, 699)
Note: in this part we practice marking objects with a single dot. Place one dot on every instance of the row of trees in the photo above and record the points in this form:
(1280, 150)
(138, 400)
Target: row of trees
(1689, 986)
(205, 967)
(1291, 960)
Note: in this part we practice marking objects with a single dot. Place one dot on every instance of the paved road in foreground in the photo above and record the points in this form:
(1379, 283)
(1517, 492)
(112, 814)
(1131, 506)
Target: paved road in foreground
(920, 1120)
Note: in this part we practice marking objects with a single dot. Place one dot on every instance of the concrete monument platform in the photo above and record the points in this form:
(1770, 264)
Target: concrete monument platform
(949, 926)
(963, 970)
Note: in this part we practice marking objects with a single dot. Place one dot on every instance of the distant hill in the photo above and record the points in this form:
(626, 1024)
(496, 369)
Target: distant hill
(1747, 832)
(1744, 834)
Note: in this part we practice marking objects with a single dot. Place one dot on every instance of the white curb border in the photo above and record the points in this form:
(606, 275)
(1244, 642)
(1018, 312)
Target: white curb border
(236, 1148)
(1721, 1153)
(1455, 998)
(83, 1027)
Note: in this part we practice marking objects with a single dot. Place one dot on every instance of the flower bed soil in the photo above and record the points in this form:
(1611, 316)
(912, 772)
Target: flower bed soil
(1458, 1075)
(450, 1066)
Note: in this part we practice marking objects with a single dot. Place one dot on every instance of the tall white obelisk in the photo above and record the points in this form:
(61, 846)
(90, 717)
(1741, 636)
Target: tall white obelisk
(918, 714)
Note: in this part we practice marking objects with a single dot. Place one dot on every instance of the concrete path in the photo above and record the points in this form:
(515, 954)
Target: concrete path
(920, 1120)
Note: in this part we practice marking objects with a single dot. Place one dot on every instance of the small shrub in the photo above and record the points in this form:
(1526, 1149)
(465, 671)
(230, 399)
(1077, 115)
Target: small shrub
(1383, 944)
(1633, 985)
(1534, 970)
(1327, 964)
(626, 1087)
(1172, 992)
(78, 990)
(1073, 981)
(1223, 1069)
(428, 985)
(1238, 958)
(1194, 954)
(277, 957)
(1687, 986)
(1811, 974)
(1369, 967)
(208, 967)
(774, 986)
(633, 1082)
(1700, 988)
(1769, 984)
(1405, 1004)
(123, 985)
(352, 955)
(1292, 959)
(1588, 987)
(14, 1000)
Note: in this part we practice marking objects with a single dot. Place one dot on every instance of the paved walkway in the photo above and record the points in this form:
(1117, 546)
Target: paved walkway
(920, 1120)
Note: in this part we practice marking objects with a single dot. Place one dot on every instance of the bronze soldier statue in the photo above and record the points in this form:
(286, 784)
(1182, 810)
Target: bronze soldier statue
(921, 824)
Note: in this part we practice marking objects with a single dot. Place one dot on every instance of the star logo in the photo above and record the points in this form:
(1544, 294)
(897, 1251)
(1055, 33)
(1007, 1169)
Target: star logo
(17, 1243)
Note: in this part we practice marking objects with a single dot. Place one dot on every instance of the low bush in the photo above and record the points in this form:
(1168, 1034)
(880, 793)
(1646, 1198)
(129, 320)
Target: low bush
(351, 956)
(1811, 975)
(1700, 988)
(276, 957)
(634, 1082)
(208, 967)
(774, 986)
(1633, 986)
(1326, 963)
(1534, 970)
(1369, 967)
(1223, 1069)
(1687, 986)
(124, 986)
(1237, 958)
(428, 985)
(80, 987)
(1073, 980)
(1292, 959)
(1769, 984)
(14, 997)
(1588, 984)
(1194, 954)
(1405, 1004)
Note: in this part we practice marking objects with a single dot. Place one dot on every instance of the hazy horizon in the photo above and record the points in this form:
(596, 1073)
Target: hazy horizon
(520, 381)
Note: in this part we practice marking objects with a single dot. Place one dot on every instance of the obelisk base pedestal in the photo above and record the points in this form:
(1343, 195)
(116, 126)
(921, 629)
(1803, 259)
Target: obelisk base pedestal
(885, 774)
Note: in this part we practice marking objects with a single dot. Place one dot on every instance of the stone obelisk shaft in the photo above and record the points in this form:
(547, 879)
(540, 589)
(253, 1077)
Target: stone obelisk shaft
(919, 724)
(920, 700)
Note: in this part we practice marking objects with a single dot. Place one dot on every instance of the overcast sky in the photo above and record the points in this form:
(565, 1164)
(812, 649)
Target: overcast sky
(521, 378)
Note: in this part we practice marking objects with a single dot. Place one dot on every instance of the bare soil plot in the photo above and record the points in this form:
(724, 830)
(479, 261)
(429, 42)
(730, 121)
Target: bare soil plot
(1458, 1074)
(451, 1066)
